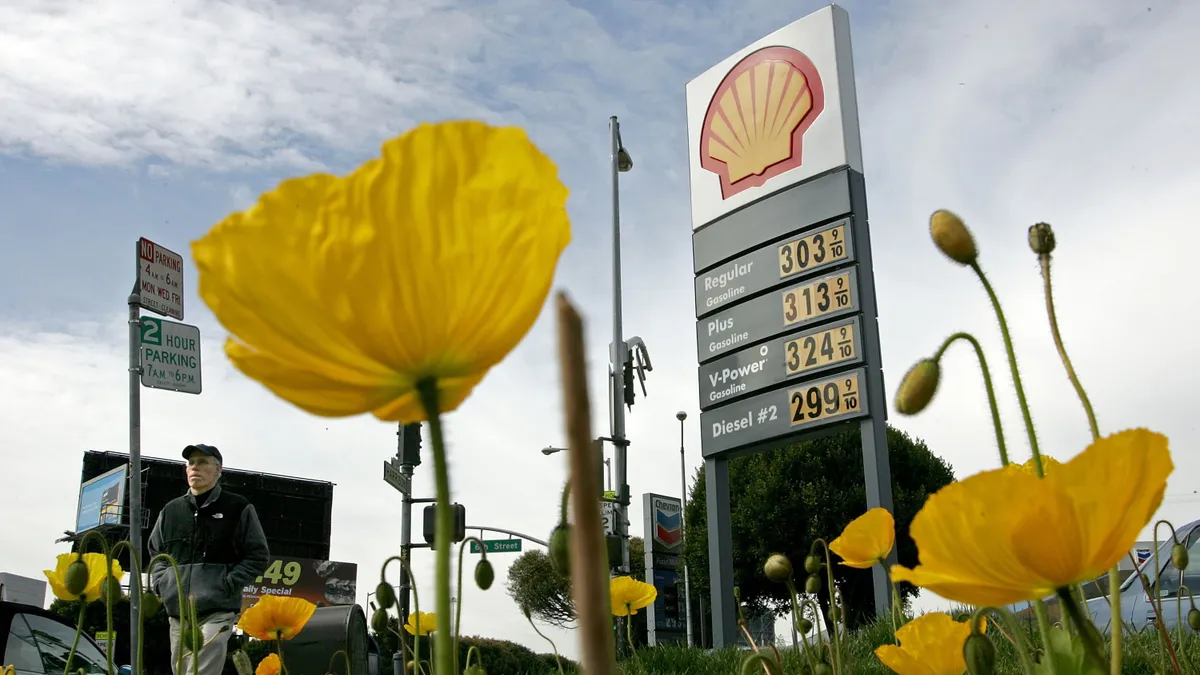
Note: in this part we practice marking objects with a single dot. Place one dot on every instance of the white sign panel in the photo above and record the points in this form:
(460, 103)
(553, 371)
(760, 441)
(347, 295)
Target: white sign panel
(160, 279)
(170, 356)
(608, 516)
(779, 111)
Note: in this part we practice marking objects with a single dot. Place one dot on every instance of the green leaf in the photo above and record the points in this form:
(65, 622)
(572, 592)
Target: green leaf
(1068, 655)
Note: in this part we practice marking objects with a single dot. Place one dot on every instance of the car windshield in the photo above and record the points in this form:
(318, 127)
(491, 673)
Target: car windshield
(53, 640)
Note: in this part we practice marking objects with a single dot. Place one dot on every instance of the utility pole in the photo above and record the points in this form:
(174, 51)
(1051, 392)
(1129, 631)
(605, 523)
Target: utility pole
(687, 585)
(621, 162)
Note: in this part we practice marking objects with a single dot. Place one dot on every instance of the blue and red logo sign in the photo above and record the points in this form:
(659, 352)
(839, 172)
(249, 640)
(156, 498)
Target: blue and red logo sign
(668, 522)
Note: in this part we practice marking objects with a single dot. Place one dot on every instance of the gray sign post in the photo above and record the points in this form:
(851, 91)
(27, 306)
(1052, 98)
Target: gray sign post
(787, 334)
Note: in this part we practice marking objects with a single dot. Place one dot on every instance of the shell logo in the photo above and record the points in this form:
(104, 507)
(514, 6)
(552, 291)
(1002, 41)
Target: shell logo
(757, 118)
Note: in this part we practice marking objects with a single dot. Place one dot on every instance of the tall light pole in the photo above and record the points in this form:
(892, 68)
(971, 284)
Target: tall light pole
(687, 586)
(621, 162)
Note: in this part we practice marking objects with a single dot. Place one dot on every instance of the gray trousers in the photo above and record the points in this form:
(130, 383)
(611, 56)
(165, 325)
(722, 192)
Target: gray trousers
(211, 657)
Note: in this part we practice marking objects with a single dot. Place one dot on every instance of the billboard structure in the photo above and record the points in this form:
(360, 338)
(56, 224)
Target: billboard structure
(321, 582)
(666, 621)
(786, 329)
(102, 500)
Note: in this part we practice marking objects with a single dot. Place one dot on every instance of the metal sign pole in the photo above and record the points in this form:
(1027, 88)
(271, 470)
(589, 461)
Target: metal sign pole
(135, 463)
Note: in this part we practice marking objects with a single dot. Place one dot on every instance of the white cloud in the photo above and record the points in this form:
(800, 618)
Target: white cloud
(1076, 113)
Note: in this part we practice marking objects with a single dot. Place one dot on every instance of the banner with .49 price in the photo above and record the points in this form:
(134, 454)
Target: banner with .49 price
(321, 582)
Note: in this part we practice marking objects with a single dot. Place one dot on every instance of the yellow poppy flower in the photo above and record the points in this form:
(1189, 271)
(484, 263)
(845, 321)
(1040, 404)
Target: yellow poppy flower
(867, 539)
(430, 262)
(629, 595)
(276, 618)
(1006, 536)
(931, 644)
(428, 623)
(95, 563)
(270, 665)
(1048, 464)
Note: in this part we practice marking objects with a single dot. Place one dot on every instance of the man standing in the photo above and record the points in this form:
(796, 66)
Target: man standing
(216, 539)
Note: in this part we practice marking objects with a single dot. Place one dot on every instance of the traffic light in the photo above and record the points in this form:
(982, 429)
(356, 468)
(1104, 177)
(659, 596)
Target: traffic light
(670, 596)
(409, 451)
(459, 528)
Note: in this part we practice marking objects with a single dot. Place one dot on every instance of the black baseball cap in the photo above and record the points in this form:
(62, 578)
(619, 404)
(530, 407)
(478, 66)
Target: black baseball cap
(209, 450)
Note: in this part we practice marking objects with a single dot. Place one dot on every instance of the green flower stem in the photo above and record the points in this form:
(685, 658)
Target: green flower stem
(543, 636)
(443, 658)
(165, 557)
(1043, 622)
(278, 650)
(1005, 617)
(566, 497)
(1012, 364)
(769, 664)
(194, 628)
(1062, 350)
(345, 660)
(629, 630)
(78, 629)
(987, 383)
(797, 614)
(412, 583)
(458, 607)
(896, 611)
(137, 572)
(835, 637)
(1090, 638)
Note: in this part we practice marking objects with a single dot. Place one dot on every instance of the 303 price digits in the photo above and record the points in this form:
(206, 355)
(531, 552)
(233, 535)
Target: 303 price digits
(815, 299)
(823, 400)
(821, 349)
(819, 248)
(278, 573)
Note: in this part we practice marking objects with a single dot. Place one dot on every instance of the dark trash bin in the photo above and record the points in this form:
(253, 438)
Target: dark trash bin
(339, 627)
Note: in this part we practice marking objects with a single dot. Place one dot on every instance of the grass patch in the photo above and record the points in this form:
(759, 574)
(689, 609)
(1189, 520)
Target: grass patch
(1141, 655)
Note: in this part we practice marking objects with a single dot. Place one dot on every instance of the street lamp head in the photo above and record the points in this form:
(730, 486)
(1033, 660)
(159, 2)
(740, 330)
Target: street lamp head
(624, 161)
(681, 416)
(549, 450)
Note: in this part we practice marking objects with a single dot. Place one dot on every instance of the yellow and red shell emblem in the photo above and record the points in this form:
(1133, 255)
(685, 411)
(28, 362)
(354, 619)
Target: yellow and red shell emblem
(757, 118)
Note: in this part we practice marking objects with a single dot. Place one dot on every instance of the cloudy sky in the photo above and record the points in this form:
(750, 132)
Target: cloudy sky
(123, 119)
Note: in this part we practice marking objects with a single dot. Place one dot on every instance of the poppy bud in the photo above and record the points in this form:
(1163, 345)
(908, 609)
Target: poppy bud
(410, 666)
(812, 564)
(918, 387)
(385, 594)
(980, 654)
(952, 237)
(474, 669)
(76, 578)
(110, 589)
(241, 663)
(150, 604)
(1041, 238)
(1193, 619)
(778, 568)
(812, 584)
(484, 574)
(1179, 556)
(560, 553)
(379, 621)
(823, 669)
(803, 625)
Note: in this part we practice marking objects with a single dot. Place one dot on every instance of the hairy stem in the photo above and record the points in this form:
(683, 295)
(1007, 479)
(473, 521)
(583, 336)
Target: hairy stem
(443, 640)
(987, 383)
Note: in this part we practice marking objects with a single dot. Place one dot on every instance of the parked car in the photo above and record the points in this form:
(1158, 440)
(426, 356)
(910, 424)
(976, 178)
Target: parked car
(1137, 612)
(37, 641)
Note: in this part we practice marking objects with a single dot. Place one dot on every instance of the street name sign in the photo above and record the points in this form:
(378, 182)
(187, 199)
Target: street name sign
(170, 354)
(787, 334)
(393, 476)
(160, 279)
(498, 546)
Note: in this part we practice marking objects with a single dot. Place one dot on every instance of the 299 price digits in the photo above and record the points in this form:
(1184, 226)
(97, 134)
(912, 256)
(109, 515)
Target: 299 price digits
(820, 297)
(817, 249)
(833, 345)
(823, 400)
(290, 573)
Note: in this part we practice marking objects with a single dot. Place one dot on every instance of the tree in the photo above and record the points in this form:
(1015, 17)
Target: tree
(783, 500)
(533, 583)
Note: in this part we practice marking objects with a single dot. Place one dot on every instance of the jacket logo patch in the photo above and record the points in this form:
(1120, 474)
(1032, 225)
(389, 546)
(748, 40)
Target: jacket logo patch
(218, 515)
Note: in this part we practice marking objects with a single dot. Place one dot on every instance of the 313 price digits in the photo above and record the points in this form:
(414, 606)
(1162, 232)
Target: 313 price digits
(826, 399)
(819, 297)
(819, 248)
(832, 345)
(290, 573)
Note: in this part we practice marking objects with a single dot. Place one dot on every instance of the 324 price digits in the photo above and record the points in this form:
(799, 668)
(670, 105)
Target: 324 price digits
(290, 573)
(826, 399)
(832, 345)
(814, 250)
(820, 297)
